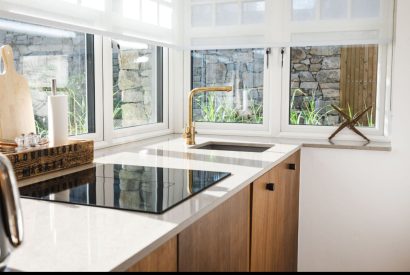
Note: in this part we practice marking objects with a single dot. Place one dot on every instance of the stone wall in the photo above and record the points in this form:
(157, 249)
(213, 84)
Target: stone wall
(242, 68)
(134, 76)
(41, 59)
(316, 72)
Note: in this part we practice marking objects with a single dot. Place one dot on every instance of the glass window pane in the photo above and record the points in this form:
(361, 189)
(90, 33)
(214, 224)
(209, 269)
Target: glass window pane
(137, 72)
(165, 16)
(303, 10)
(253, 12)
(333, 9)
(227, 14)
(241, 68)
(42, 54)
(365, 8)
(202, 15)
(150, 12)
(131, 9)
(345, 76)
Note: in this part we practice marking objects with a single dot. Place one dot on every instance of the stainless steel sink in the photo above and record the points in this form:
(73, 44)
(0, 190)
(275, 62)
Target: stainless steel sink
(234, 147)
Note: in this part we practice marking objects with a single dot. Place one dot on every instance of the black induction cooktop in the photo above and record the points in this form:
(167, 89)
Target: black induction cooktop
(133, 188)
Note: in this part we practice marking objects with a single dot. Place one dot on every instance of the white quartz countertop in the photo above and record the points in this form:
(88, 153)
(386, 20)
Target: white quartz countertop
(61, 237)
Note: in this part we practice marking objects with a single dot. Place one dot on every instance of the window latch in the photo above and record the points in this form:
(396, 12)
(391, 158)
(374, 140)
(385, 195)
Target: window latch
(283, 51)
(115, 45)
(268, 52)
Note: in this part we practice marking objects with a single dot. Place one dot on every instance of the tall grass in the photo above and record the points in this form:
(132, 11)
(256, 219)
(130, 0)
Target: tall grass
(77, 106)
(309, 114)
(216, 109)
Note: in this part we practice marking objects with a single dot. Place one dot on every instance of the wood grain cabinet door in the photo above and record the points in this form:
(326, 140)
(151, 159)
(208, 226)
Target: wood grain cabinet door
(218, 242)
(164, 259)
(290, 176)
(275, 216)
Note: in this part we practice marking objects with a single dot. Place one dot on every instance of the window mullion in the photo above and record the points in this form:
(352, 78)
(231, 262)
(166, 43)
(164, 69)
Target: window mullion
(108, 90)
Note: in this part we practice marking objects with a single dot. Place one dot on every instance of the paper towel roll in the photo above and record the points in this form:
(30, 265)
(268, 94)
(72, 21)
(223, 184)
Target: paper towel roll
(58, 120)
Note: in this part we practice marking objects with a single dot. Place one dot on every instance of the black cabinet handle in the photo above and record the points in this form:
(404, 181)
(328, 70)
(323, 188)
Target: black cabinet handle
(270, 187)
(292, 167)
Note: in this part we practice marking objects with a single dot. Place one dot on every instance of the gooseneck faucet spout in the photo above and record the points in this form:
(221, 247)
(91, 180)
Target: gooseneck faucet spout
(190, 131)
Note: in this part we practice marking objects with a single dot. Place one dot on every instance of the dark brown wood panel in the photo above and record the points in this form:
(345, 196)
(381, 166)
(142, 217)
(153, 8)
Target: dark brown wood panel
(220, 241)
(265, 233)
(291, 181)
(164, 259)
(275, 219)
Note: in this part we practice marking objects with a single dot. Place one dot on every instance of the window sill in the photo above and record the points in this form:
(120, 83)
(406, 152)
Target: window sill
(320, 143)
(345, 141)
(349, 145)
(131, 139)
(305, 142)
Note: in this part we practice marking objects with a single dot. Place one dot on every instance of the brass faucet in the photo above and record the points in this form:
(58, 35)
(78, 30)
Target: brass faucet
(190, 132)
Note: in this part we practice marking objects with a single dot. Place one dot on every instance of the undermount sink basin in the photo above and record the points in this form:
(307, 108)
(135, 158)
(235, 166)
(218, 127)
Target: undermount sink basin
(234, 147)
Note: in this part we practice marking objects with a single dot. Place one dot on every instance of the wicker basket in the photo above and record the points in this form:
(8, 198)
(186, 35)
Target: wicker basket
(39, 161)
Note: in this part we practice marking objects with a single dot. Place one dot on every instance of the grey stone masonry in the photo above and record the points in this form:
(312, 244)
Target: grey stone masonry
(316, 71)
(41, 58)
(242, 68)
(133, 74)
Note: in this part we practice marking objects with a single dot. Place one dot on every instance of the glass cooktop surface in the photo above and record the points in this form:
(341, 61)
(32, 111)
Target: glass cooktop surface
(133, 188)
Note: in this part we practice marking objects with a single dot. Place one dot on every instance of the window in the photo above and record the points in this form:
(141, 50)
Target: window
(42, 54)
(343, 76)
(117, 90)
(241, 68)
(138, 84)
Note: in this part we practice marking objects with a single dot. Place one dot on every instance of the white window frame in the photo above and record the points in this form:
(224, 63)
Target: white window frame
(379, 133)
(121, 136)
(98, 136)
(276, 104)
(177, 66)
(271, 107)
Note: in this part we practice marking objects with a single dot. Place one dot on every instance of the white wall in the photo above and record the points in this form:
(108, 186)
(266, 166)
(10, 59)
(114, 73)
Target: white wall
(355, 205)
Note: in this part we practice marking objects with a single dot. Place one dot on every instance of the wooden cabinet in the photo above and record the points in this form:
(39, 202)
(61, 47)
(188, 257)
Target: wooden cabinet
(220, 241)
(164, 259)
(275, 218)
(255, 230)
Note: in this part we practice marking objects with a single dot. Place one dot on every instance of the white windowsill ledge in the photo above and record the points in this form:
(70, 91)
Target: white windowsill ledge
(349, 145)
(305, 142)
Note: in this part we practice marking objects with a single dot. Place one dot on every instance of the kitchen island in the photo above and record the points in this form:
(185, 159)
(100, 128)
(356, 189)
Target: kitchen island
(61, 237)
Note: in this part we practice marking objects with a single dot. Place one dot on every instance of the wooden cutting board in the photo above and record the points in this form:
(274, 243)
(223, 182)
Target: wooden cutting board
(16, 108)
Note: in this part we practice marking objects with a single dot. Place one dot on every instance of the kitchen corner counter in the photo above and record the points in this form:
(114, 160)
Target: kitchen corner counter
(60, 237)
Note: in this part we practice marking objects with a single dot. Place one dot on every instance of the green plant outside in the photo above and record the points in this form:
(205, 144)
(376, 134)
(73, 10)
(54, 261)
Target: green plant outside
(117, 107)
(309, 114)
(369, 117)
(216, 109)
(41, 126)
(312, 116)
(77, 106)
